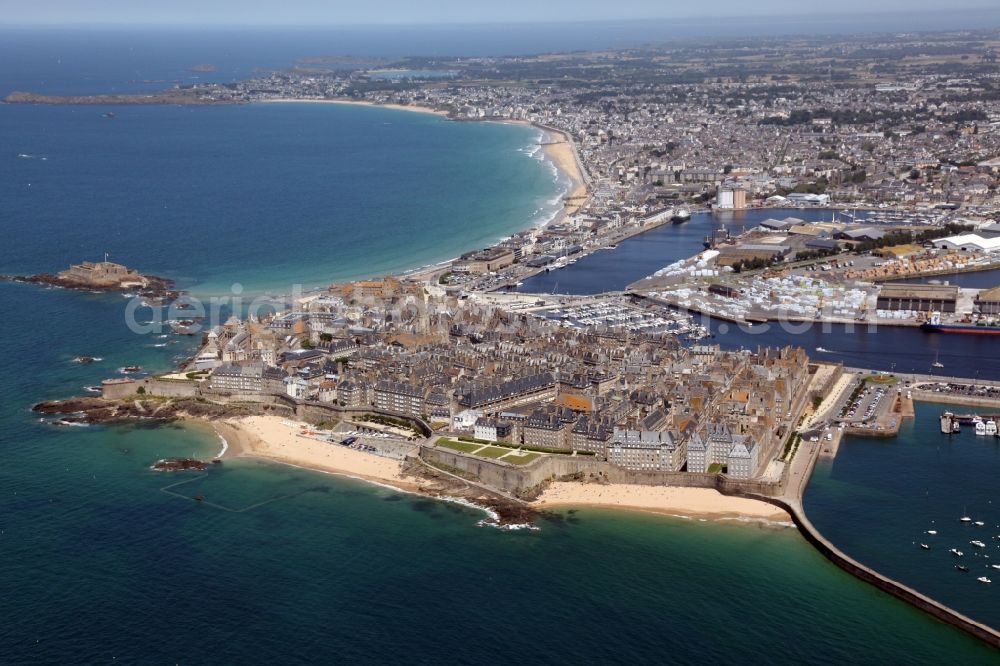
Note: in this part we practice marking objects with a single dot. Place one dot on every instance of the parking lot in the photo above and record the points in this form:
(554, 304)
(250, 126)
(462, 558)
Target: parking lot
(867, 405)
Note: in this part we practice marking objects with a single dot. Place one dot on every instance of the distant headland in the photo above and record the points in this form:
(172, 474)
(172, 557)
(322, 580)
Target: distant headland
(181, 96)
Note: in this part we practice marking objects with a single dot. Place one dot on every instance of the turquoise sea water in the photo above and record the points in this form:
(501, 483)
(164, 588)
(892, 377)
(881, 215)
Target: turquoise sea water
(291, 566)
(878, 498)
(100, 564)
(268, 195)
(294, 566)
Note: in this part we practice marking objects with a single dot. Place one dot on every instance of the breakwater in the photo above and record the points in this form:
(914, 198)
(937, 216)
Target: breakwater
(933, 608)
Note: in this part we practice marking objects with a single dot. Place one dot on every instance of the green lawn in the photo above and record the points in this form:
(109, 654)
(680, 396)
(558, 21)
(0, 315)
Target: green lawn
(493, 452)
(716, 468)
(521, 459)
(464, 447)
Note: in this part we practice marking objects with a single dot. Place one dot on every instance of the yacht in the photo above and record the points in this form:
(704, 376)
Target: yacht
(991, 428)
(956, 552)
(932, 532)
(956, 427)
(978, 544)
(984, 579)
(995, 566)
(979, 523)
(980, 426)
(925, 546)
(965, 519)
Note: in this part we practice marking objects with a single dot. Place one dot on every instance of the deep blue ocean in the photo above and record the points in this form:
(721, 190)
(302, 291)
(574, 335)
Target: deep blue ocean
(100, 565)
(878, 498)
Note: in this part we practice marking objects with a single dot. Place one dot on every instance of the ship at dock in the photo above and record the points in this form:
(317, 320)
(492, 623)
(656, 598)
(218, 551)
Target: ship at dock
(981, 326)
(680, 216)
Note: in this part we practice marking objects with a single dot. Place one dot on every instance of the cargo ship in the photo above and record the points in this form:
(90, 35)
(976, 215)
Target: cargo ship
(981, 327)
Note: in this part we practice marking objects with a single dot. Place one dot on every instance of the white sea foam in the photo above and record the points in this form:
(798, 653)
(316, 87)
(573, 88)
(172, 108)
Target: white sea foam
(73, 423)
(225, 446)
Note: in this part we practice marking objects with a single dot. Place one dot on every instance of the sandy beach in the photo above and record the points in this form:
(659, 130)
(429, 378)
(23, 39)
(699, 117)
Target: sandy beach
(562, 153)
(273, 438)
(269, 437)
(691, 502)
(347, 102)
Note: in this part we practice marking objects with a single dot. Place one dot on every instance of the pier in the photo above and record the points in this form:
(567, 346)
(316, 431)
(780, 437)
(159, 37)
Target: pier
(799, 474)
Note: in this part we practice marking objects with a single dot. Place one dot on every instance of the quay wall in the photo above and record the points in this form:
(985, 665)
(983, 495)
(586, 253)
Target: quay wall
(523, 478)
(959, 400)
(850, 565)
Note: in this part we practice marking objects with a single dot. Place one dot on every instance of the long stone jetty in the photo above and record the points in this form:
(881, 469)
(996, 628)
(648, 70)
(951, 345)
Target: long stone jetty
(802, 466)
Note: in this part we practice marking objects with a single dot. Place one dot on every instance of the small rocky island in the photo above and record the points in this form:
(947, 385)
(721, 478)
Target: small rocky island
(104, 276)
(179, 465)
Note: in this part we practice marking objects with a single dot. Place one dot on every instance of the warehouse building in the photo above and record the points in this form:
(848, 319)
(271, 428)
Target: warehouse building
(918, 297)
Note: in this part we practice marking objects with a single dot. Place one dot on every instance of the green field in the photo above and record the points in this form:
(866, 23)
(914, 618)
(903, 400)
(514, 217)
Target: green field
(493, 452)
(464, 447)
(522, 459)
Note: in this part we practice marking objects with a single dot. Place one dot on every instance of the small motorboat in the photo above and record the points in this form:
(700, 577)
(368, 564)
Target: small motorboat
(965, 519)
(961, 567)
(984, 579)
(925, 546)
(979, 523)
(932, 532)
(956, 552)
(995, 566)
(978, 544)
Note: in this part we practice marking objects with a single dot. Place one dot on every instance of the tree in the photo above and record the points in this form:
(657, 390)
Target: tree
(326, 337)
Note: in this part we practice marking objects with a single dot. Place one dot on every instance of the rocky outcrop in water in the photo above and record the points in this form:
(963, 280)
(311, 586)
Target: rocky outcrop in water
(154, 288)
(99, 410)
(179, 465)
